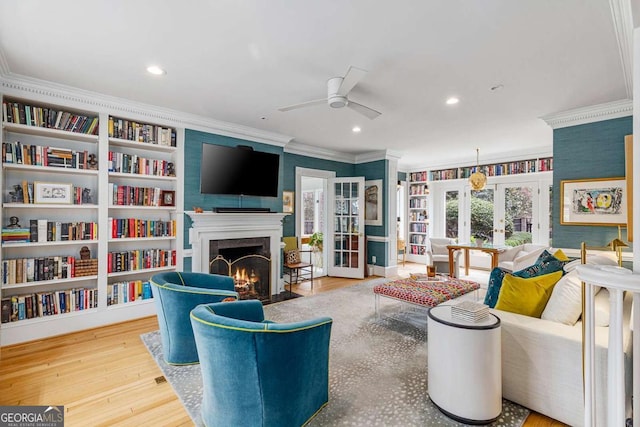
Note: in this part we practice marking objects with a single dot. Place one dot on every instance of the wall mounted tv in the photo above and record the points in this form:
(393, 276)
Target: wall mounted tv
(238, 170)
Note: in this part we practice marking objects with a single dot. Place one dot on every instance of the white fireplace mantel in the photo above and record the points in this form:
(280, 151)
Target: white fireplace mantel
(236, 225)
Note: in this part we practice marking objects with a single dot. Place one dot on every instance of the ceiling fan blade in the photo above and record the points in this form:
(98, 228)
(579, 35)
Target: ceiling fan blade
(353, 76)
(365, 111)
(304, 104)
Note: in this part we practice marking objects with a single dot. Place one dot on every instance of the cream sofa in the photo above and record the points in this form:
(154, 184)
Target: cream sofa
(519, 257)
(542, 359)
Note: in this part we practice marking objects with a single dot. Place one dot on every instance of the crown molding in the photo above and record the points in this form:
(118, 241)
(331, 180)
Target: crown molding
(594, 113)
(622, 19)
(374, 156)
(21, 86)
(294, 147)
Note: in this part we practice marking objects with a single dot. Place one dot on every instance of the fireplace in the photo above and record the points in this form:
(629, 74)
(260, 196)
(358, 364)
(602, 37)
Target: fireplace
(248, 261)
(211, 226)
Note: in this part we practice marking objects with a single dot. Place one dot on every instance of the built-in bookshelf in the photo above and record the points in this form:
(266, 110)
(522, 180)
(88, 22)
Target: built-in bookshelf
(418, 215)
(495, 169)
(88, 215)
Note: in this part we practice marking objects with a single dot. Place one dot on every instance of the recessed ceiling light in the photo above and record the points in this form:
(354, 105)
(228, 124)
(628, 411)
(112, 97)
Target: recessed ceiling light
(155, 70)
(453, 100)
(356, 129)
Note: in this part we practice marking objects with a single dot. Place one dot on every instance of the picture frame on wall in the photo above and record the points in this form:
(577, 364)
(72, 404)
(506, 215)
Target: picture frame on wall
(52, 192)
(287, 201)
(601, 201)
(373, 202)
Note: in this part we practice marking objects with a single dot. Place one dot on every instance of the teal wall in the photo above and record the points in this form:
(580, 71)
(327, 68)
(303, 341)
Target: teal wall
(291, 161)
(377, 170)
(192, 197)
(402, 176)
(593, 150)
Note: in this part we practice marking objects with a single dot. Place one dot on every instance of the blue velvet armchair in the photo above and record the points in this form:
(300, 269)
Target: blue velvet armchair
(257, 372)
(175, 295)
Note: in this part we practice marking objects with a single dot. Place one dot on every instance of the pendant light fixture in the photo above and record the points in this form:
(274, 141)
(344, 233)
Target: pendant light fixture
(477, 179)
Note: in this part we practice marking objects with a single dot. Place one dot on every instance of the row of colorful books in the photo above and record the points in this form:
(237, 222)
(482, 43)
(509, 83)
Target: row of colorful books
(132, 163)
(134, 227)
(38, 155)
(124, 292)
(30, 115)
(127, 195)
(141, 132)
(40, 304)
(140, 259)
(25, 270)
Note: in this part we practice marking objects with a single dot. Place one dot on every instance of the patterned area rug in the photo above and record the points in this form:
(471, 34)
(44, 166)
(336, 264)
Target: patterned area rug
(378, 366)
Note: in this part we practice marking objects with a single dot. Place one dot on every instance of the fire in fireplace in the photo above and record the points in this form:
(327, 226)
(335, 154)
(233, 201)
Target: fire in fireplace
(247, 261)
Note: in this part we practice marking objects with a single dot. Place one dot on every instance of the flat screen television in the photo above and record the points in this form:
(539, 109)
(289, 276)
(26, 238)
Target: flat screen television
(238, 170)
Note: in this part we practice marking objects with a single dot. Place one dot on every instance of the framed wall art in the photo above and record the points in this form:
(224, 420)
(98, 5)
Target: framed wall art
(600, 201)
(373, 202)
(287, 201)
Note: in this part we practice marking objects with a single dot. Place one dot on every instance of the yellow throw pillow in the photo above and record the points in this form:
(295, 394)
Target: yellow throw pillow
(561, 255)
(526, 296)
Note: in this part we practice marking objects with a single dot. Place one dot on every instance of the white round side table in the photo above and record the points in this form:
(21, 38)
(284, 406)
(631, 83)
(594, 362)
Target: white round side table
(464, 366)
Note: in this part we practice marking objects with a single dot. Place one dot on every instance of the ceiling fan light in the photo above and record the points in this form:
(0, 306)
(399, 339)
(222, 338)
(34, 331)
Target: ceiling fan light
(337, 101)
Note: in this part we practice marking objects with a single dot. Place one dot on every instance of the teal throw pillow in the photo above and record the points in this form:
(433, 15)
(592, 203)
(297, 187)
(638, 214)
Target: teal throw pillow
(493, 288)
(545, 264)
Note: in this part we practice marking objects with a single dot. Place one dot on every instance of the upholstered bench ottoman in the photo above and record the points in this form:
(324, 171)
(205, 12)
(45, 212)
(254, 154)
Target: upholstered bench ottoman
(424, 293)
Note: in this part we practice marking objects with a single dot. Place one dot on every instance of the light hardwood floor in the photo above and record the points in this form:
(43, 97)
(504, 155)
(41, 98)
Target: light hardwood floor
(106, 377)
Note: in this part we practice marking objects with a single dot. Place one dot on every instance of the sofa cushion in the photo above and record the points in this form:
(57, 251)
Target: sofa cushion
(545, 264)
(602, 308)
(526, 296)
(591, 259)
(565, 304)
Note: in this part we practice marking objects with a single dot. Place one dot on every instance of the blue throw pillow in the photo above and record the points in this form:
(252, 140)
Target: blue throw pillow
(545, 264)
(493, 288)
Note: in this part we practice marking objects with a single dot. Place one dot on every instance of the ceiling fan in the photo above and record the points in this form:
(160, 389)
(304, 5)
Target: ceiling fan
(337, 90)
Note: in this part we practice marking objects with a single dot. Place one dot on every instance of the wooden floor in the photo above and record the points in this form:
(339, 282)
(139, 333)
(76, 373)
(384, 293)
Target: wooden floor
(106, 377)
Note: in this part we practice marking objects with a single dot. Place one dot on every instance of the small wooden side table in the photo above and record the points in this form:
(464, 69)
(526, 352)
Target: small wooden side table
(466, 248)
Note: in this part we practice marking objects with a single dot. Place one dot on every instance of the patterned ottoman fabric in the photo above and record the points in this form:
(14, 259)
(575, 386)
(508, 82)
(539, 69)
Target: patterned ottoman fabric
(425, 293)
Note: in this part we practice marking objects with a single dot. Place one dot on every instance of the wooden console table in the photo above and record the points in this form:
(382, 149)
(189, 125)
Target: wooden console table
(466, 248)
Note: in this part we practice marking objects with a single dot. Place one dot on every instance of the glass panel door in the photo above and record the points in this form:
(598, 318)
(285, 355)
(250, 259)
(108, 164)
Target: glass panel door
(346, 240)
(452, 213)
(482, 216)
(516, 218)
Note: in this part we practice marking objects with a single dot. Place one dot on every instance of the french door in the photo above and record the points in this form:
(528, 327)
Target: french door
(346, 224)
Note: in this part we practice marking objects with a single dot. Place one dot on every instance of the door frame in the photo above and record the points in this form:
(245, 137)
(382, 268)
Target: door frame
(312, 173)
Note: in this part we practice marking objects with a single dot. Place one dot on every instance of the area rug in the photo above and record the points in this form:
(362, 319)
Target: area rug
(378, 366)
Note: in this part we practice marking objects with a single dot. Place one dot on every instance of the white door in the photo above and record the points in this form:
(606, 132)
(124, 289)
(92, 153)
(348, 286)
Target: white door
(516, 213)
(345, 243)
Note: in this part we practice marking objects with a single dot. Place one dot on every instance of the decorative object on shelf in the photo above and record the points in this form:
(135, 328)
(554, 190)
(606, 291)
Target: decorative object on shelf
(197, 209)
(53, 192)
(373, 202)
(85, 253)
(168, 198)
(171, 169)
(601, 201)
(93, 162)
(17, 195)
(86, 195)
(287, 201)
(13, 222)
(478, 180)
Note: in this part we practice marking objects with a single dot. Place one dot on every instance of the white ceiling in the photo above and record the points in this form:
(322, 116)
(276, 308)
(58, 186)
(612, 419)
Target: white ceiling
(238, 61)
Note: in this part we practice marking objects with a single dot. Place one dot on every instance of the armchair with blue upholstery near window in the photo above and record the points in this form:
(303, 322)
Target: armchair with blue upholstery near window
(256, 372)
(175, 295)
